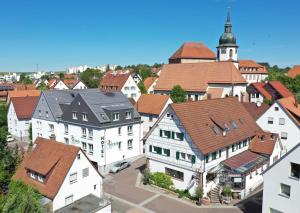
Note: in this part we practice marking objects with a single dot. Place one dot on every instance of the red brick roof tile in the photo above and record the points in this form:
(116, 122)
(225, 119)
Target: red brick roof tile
(292, 73)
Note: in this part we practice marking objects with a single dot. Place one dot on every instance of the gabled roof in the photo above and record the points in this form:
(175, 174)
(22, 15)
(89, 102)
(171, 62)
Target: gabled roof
(49, 158)
(149, 81)
(292, 108)
(70, 82)
(256, 68)
(263, 143)
(280, 88)
(256, 111)
(113, 82)
(206, 121)
(197, 76)
(24, 106)
(292, 73)
(193, 50)
(259, 86)
(151, 103)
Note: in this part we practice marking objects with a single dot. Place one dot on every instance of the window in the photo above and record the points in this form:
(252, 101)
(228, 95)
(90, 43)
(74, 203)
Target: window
(84, 116)
(73, 178)
(270, 120)
(95, 187)
(129, 144)
(128, 115)
(90, 133)
(47, 115)
(74, 115)
(281, 121)
(166, 152)
(51, 128)
(85, 172)
(119, 145)
(233, 148)
(91, 148)
(83, 146)
(233, 124)
(40, 113)
(32, 175)
(214, 155)
(116, 116)
(129, 130)
(120, 130)
(284, 135)
(244, 143)
(66, 129)
(41, 178)
(276, 108)
(126, 88)
(67, 141)
(295, 170)
(182, 156)
(156, 150)
(178, 136)
(223, 50)
(78, 156)
(69, 200)
(230, 53)
(83, 132)
(174, 173)
(150, 118)
(285, 190)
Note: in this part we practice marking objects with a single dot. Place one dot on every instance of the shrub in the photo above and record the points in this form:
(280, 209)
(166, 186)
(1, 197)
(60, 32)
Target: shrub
(199, 192)
(146, 176)
(226, 191)
(162, 180)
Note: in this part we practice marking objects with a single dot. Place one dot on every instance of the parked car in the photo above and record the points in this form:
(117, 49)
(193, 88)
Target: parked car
(9, 138)
(119, 166)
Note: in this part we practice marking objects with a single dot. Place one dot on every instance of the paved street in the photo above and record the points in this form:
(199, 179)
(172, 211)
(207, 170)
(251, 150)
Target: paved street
(123, 189)
(252, 204)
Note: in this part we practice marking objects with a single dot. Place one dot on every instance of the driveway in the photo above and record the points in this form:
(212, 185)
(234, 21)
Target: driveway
(122, 188)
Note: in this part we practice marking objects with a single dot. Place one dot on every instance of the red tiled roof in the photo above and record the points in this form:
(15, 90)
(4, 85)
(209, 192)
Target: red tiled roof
(292, 73)
(256, 111)
(197, 76)
(70, 82)
(193, 50)
(260, 88)
(151, 103)
(251, 64)
(23, 93)
(280, 88)
(241, 159)
(215, 92)
(263, 143)
(113, 81)
(24, 106)
(50, 158)
(149, 81)
(200, 117)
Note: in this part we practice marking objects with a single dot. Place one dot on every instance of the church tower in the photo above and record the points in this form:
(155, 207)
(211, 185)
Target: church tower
(227, 49)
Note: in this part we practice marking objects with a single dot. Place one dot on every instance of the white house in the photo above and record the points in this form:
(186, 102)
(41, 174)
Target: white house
(123, 82)
(150, 107)
(62, 174)
(281, 192)
(283, 118)
(252, 71)
(190, 140)
(105, 125)
(66, 84)
(60, 85)
(19, 115)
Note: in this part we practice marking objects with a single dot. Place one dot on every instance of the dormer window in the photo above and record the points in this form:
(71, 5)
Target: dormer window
(84, 116)
(40, 113)
(116, 116)
(233, 124)
(74, 115)
(32, 175)
(128, 115)
(41, 178)
(47, 114)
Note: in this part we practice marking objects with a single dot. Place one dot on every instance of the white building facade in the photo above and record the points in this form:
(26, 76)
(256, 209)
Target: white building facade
(17, 127)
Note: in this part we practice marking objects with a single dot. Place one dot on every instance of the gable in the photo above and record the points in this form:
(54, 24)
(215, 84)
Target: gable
(43, 107)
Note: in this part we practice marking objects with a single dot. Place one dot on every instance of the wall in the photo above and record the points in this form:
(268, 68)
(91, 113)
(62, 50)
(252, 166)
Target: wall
(131, 89)
(290, 127)
(83, 186)
(60, 86)
(80, 85)
(280, 173)
(186, 60)
(255, 77)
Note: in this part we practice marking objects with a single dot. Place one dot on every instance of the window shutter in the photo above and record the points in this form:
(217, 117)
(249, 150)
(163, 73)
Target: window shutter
(159, 150)
(177, 155)
(193, 159)
(150, 148)
(173, 135)
(160, 132)
(181, 136)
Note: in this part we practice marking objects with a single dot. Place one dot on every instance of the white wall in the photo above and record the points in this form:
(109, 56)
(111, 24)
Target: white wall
(16, 127)
(290, 127)
(280, 173)
(254, 99)
(42, 129)
(83, 186)
(226, 56)
(253, 78)
(80, 85)
(60, 86)
(131, 89)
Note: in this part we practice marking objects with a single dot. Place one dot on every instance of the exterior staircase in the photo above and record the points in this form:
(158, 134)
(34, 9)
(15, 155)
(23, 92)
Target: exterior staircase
(214, 195)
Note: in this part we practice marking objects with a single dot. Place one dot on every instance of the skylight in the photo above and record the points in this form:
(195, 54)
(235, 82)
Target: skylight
(233, 124)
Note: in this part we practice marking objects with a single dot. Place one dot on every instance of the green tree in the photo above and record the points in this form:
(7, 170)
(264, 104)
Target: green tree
(3, 114)
(27, 80)
(61, 75)
(178, 95)
(107, 68)
(22, 77)
(143, 70)
(22, 198)
(30, 132)
(119, 67)
(91, 77)
(142, 87)
(42, 87)
(45, 77)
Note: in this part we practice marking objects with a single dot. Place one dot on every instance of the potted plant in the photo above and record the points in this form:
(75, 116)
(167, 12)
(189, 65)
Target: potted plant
(199, 194)
(227, 193)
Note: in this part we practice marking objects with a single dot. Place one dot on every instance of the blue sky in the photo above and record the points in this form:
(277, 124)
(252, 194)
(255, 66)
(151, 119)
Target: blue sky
(59, 33)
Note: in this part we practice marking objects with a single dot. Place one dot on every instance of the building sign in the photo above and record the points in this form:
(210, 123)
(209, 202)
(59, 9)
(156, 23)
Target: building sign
(237, 180)
(74, 141)
(102, 146)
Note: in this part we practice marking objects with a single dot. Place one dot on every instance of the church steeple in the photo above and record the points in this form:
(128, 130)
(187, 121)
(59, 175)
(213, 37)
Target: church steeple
(227, 49)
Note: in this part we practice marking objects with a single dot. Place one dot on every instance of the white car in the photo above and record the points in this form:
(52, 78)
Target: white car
(119, 166)
(9, 139)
